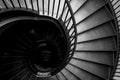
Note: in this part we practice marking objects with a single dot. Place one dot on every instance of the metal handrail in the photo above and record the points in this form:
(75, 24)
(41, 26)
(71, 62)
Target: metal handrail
(64, 16)
(116, 9)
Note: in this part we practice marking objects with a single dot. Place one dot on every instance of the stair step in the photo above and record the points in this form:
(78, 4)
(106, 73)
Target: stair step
(118, 66)
(118, 70)
(106, 44)
(15, 2)
(35, 4)
(27, 76)
(116, 77)
(83, 75)
(117, 74)
(98, 57)
(119, 63)
(76, 4)
(94, 20)
(2, 4)
(8, 3)
(40, 6)
(87, 9)
(99, 70)
(48, 78)
(60, 76)
(101, 31)
(19, 75)
(68, 75)
(28, 4)
(32, 77)
(24, 74)
(21, 3)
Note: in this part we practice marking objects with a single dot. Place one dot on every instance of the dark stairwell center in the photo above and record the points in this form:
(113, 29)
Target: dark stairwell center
(42, 43)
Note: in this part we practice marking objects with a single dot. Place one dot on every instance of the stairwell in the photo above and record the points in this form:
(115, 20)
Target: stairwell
(86, 39)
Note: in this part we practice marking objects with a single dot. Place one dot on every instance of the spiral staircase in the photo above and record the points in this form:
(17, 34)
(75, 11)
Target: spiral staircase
(59, 40)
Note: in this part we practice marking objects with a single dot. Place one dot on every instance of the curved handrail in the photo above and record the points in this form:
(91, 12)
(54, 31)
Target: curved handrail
(63, 9)
(116, 8)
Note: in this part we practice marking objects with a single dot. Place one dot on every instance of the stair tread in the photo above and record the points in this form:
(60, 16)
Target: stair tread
(99, 70)
(15, 2)
(22, 3)
(76, 4)
(98, 57)
(116, 77)
(8, 3)
(90, 7)
(60, 76)
(94, 20)
(48, 78)
(101, 31)
(68, 75)
(107, 44)
(117, 74)
(2, 4)
(82, 74)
